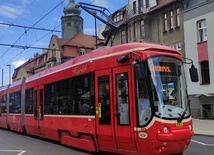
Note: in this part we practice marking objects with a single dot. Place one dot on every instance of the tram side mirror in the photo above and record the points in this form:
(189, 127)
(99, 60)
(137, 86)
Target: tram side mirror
(193, 73)
(140, 72)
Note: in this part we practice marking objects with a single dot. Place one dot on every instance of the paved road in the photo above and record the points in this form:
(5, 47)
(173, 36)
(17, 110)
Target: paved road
(16, 144)
(201, 145)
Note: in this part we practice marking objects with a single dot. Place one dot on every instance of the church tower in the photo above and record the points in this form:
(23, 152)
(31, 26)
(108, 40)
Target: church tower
(72, 22)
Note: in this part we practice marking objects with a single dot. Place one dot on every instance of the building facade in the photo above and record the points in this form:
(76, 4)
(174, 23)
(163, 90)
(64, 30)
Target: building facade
(199, 36)
(157, 21)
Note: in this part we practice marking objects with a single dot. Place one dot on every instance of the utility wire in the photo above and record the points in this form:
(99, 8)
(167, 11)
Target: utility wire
(31, 27)
(24, 49)
(31, 46)
(36, 28)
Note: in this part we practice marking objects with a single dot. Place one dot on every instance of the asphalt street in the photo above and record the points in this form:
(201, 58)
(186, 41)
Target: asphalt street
(201, 145)
(17, 144)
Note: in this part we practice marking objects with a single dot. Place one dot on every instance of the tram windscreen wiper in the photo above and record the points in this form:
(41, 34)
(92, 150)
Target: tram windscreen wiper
(183, 114)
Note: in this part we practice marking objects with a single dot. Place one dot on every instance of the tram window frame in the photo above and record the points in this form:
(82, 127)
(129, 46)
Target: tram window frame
(35, 104)
(104, 99)
(83, 91)
(4, 102)
(50, 98)
(123, 100)
(15, 102)
(63, 96)
(74, 88)
(29, 101)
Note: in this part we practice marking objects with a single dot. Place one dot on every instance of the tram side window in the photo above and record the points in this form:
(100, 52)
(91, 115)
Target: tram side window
(122, 99)
(63, 97)
(4, 104)
(57, 97)
(15, 102)
(104, 100)
(35, 104)
(0, 106)
(50, 99)
(81, 103)
(69, 96)
(29, 101)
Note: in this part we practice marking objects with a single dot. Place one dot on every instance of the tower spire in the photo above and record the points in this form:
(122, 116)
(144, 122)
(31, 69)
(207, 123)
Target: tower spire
(72, 22)
(71, 9)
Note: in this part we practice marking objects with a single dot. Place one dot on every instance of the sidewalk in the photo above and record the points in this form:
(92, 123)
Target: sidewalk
(203, 127)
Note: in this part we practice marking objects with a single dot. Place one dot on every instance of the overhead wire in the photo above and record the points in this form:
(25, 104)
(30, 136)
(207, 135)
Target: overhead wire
(30, 46)
(35, 28)
(28, 30)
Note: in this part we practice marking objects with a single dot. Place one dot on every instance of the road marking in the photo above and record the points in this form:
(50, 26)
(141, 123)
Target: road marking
(202, 143)
(20, 152)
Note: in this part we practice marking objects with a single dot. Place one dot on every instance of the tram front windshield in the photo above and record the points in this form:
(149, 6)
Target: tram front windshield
(165, 89)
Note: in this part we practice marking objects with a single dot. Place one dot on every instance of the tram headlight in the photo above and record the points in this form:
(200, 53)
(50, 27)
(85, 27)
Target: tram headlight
(190, 127)
(165, 130)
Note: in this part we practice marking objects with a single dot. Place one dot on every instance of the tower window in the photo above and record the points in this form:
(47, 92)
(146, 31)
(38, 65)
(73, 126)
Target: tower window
(68, 23)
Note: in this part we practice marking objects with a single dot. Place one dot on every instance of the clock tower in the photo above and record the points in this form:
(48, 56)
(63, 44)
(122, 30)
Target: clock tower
(72, 22)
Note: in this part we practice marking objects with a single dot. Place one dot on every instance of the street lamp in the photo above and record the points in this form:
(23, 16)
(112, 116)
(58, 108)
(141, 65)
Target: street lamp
(9, 73)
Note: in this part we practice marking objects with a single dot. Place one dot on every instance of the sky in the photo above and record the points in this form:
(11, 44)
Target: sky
(42, 14)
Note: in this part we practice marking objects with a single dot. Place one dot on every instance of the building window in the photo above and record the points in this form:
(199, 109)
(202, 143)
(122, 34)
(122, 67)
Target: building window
(142, 29)
(118, 17)
(141, 3)
(135, 30)
(177, 17)
(82, 51)
(202, 31)
(171, 26)
(134, 7)
(123, 37)
(178, 46)
(68, 23)
(165, 22)
(205, 73)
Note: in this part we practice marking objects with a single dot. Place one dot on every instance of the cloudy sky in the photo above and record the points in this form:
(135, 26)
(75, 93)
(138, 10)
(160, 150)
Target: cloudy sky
(43, 14)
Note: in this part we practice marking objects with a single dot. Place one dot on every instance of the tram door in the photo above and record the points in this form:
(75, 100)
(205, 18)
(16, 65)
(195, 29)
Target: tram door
(38, 106)
(114, 123)
(104, 109)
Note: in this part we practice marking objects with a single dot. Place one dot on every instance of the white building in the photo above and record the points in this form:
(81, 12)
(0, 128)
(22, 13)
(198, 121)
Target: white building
(199, 46)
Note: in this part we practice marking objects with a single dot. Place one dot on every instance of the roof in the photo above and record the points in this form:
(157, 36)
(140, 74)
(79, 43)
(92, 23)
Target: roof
(65, 46)
(78, 41)
(161, 4)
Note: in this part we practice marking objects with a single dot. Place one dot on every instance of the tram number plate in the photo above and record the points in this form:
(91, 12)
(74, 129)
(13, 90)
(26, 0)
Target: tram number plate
(179, 124)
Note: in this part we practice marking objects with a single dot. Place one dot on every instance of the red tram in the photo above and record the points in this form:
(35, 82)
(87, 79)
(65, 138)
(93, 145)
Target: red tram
(92, 102)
